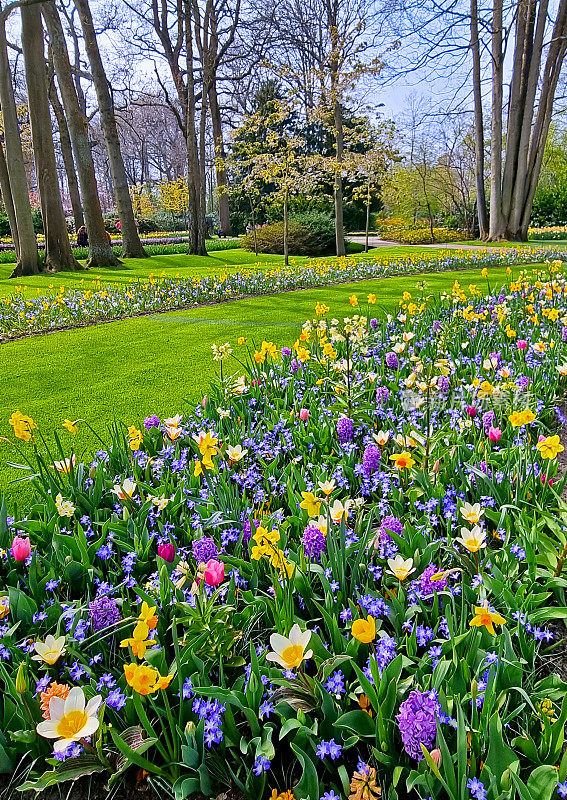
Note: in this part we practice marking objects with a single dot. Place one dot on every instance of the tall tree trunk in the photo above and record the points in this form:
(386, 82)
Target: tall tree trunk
(8, 201)
(338, 187)
(67, 154)
(478, 125)
(497, 222)
(58, 252)
(131, 244)
(285, 230)
(28, 262)
(220, 155)
(100, 249)
(196, 211)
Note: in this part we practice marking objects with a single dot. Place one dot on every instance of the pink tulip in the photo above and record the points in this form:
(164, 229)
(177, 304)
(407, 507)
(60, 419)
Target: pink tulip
(522, 344)
(304, 414)
(471, 411)
(214, 572)
(21, 548)
(494, 434)
(166, 551)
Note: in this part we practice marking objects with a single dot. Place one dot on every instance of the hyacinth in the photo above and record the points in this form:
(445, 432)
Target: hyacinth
(443, 384)
(417, 721)
(488, 419)
(151, 422)
(371, 459)
(391, 360)
(345, 430)
(390, 523)
(429, 587)
(204, 549)
(382, 394)
(104, 612)
(314, 542)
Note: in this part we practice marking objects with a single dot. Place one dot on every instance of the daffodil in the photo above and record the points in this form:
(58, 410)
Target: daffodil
(135, 437)
(402, 460)
(400, 567)
(487, 619)
(549, 447)
(64, 507)
(290, 651)
(50, 650)
(72, 427)
(148, 615)
(22, 425)
(364, 630)
(310, 503)
(145, 680)
(70, 719)
(473, 540)
(139, 641)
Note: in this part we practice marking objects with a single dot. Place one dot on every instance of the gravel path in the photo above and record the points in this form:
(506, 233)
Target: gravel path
(375, 242)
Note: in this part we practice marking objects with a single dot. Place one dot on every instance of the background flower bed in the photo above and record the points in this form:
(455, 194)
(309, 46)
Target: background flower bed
(396, 438)
(21, 315)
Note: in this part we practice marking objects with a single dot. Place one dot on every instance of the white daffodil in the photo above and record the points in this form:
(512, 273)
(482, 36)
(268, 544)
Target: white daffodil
(70, 719)
(50, 650)
(401, 567)
(473, 540)
(64, 507)
(289, 651)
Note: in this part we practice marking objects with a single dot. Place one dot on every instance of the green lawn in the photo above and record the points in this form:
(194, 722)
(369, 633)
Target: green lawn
(128, 369)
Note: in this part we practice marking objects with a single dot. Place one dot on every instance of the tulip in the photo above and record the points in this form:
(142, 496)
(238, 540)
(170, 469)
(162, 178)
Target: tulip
(214, 572)
(166, 551)
(471, 411)
(21, 548)
(494, 434)
(522, 344)
(304, 414)
(436, 756)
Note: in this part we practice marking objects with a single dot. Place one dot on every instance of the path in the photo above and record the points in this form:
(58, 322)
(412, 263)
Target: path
(375, 242)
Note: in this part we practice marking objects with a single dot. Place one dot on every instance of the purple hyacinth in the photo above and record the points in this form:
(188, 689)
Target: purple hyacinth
(417, 721)
(390, 523)
(345, 430)
(443, 384)
(373, 323)
(391, 360)
(314, 542)
(151, 422)
(429, 587)
(103, 612)
(204, 549)
(382, 394)
(286, 351)
(371, 459)
(488, 419)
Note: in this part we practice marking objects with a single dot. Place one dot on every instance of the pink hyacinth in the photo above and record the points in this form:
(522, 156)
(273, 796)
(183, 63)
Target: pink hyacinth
(214, 572)
(21, 548)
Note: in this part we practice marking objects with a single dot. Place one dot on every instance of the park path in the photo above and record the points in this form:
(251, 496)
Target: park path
(375, 242)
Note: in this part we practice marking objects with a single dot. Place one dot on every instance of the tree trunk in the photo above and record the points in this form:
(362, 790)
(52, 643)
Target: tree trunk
(100, 249)
(224, 213)
(196, 211)
(28, 261)
(497, 222)
(8, 201)
(58, 252)
(67, 154)
(338, 188)
(285, 231)
(131, 245)
(478, 125)
(367, 218)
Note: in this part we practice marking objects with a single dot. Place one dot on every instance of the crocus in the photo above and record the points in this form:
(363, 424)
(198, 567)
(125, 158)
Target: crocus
(304, 414)
(166, 551)
(494, 434)
(214, 572)
(21, 548)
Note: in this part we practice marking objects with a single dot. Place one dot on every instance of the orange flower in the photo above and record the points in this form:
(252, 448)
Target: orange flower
(53, 690)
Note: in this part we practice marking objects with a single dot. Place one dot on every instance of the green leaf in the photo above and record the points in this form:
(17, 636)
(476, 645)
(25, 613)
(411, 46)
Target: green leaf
(70, 770)
(307, 787)
(542, 782)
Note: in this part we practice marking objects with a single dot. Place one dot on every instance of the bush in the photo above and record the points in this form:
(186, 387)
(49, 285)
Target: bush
(423, 235)
(302, 240)
(322, 226)
(550, 206)
(4, 226)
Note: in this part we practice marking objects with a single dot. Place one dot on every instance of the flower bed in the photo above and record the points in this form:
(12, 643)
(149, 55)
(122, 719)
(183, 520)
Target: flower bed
(335, 578)
(20, 315)
(551, 232)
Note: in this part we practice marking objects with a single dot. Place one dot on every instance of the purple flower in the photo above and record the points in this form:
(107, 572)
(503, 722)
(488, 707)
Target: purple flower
(391, 360)
(371, 459)
(417, 721)
(314, 543)
(345, 430)
(429, 587)
(390, 523)
(204, 549)
(373, 323)
(382, 394)
(476, 788)
(151, 422)
(488, 419)
(330, 748)
(443, 384)
(286, 351)
(103, 612)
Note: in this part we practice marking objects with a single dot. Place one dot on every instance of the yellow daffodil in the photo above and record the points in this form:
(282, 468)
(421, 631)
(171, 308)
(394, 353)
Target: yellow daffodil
(72, 427)
(70, 719)
(549, 447)
(371, 299)
(22, 425)
(148, 615)
(364, 630)
(310, 503)
(487, 619)
(473, 540)
(290, 651)
(400, 567)
(353, 300)
(145, 680)
(139, 641)
(4, 606)
(50, 650)
(402, 460)
(135, 437)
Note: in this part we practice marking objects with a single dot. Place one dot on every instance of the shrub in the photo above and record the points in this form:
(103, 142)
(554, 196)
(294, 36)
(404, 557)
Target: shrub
(322, 226)
(423, 235)
(302, 240)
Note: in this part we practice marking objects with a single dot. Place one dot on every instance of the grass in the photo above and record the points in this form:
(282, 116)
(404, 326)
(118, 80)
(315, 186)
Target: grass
(128, 369)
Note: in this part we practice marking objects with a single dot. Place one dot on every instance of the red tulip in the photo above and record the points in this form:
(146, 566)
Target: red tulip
(166, 551)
